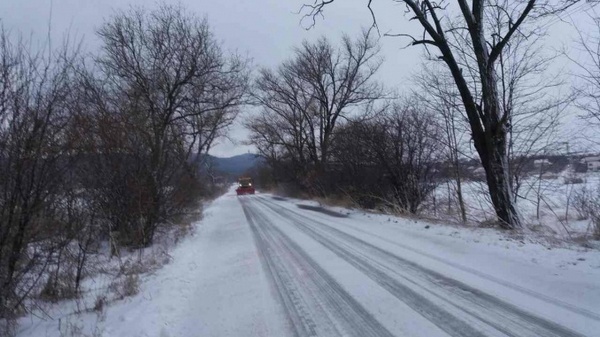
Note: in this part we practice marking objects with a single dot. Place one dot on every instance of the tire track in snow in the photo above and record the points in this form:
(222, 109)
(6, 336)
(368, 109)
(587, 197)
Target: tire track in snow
(315, 303)
(438, 316)
(513, 286)
(386, 269)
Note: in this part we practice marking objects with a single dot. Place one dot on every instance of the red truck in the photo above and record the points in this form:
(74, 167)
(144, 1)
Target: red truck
(245, 186)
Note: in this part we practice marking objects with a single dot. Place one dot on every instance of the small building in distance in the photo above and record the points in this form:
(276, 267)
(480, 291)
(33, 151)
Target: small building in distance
(592, 163)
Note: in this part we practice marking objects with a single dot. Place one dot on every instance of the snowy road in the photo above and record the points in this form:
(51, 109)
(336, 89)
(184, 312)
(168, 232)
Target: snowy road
(262, 265)
(317, 305)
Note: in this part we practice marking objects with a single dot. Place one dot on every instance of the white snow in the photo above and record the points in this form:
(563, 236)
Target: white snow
(557, 215)
(517, 270)
(217, 284)
(214, 287)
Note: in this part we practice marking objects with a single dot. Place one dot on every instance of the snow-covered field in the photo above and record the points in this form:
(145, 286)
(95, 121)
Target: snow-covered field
(267, 266)
(550, 198)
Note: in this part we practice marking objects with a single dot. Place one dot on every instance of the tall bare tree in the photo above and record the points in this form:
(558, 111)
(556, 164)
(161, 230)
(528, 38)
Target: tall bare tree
(526, 89)
(103, 147)
(164, 90)
(307, 97)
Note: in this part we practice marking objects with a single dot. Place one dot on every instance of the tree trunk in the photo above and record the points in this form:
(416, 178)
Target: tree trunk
(459, 194)
(457, 177)
(492, 151)
(489, 134)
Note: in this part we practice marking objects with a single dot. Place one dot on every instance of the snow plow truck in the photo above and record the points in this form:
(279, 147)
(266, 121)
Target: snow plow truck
(245, 186)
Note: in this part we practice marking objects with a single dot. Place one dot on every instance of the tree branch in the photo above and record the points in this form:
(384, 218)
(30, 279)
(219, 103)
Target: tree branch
(497, 49)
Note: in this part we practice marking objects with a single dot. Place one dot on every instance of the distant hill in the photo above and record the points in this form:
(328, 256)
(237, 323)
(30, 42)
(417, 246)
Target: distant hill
(232, 166)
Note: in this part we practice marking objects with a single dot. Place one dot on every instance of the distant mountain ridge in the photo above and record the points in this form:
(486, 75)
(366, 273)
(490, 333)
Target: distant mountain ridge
(232, 166)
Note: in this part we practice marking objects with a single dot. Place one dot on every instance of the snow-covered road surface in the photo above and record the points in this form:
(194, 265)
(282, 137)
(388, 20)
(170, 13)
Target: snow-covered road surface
(317, 305)
(266, 266)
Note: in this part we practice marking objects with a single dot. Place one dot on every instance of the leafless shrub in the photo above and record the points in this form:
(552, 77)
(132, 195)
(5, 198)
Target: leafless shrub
(587, 205)
(8, 326)
(125, 286)
(73, 328)
(99, 304)
(59, 287)
(70, 329)
(389, 160)
(581, 203)
(136, 266)
(131, 285)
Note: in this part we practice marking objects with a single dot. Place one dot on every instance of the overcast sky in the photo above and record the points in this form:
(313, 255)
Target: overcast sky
(265, 30)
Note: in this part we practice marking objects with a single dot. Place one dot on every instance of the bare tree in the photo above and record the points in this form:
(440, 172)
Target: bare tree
(355, 168)
(440, 96)
(307, 97)
(163, 92)
(489, 124)
(35, 92)
(390, 159)
(527, 96)
(409, 154)
(106, 149)
(588, 88)
(338, 81)
(281, 131)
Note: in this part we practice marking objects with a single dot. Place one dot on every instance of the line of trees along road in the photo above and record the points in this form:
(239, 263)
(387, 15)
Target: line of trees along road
(472, 41)
(327, 128)
(104, 148)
